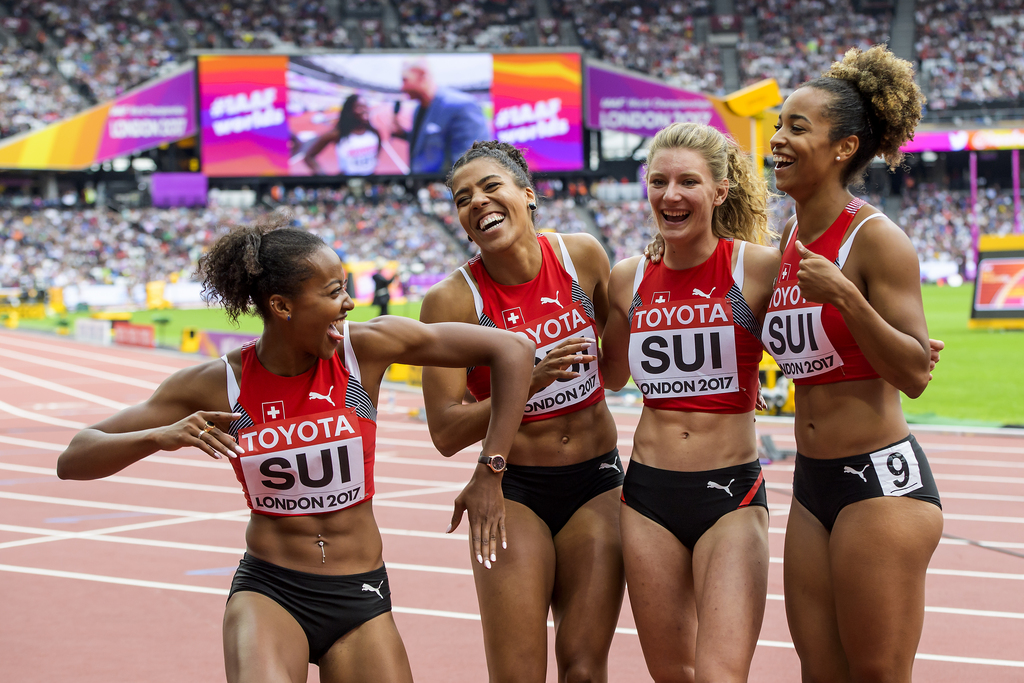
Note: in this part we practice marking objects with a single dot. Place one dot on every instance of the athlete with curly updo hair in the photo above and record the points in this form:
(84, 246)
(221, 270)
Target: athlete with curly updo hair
(558, 496)
(295, 412)
(846, 322)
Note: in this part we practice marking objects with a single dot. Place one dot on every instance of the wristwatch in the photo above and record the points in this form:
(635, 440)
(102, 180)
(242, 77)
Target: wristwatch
(495, 462)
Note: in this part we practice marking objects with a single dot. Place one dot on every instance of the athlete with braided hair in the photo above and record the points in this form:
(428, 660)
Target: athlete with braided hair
(295, 412)
(558, 496)
(846, 322)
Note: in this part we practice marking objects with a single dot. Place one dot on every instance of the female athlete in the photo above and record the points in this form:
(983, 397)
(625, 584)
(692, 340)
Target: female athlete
(558, 495)
(846, 322)
(695, 514)
(295, 413)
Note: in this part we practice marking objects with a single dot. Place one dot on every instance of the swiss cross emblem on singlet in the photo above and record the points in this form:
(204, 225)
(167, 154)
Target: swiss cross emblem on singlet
(660, 298)
(273, 411)
(785, 272)
(513, 317)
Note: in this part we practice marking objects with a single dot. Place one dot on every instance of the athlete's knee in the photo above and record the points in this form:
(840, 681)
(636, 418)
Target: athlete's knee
(879, 670)
(584, 672)
(671, 672)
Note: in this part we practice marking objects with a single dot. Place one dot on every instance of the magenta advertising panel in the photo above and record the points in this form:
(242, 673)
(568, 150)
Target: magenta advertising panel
(961, 140)
(157, 114)
(385, 114)
(632, 104)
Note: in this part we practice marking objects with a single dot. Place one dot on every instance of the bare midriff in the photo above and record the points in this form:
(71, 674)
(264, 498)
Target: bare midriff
(566, 439)
(847, 418)
(694, 442)
(351, 541)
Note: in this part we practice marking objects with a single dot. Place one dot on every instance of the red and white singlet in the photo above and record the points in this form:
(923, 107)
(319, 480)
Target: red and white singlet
(309, 440)
(811, 342)
(547, 310)
(693, 340)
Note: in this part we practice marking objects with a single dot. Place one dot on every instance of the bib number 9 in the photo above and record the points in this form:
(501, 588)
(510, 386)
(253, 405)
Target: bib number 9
(897, 468)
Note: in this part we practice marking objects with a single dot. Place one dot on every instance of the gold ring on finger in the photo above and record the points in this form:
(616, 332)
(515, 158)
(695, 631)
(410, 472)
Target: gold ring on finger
(209, 426)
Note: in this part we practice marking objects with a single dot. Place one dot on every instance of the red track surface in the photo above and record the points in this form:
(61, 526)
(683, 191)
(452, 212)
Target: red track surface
(125, 579)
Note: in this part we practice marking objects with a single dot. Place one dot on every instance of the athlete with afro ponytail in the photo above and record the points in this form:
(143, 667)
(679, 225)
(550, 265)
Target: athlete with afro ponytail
(846, 322)
(295, 413)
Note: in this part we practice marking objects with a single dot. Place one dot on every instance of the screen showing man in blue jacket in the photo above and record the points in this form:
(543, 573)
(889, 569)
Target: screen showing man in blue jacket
(446, 122)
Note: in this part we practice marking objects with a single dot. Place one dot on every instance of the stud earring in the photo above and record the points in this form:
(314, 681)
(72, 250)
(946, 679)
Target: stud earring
(838, 159)
(289, 318)
(531, 206)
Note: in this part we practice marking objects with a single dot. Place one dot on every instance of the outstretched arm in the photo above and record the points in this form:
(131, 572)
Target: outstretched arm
(178, 414)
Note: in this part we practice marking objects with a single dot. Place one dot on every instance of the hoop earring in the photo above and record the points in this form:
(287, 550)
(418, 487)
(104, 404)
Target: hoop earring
(531, 206)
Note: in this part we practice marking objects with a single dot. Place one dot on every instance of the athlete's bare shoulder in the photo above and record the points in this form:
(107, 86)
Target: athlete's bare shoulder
(201, 387)
(761, 261)
(450, 300)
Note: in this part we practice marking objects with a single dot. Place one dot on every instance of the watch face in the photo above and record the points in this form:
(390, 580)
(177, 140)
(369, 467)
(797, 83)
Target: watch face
(497, 463)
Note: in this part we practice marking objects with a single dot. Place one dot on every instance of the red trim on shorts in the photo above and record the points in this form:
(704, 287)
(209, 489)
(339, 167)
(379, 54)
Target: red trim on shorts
(753, 490)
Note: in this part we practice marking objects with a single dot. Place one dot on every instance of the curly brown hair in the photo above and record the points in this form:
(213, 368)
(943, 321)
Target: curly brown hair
(874, 97)
(245, 267)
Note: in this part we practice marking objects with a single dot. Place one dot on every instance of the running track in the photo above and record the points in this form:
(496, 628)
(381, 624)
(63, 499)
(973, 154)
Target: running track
(125, 579)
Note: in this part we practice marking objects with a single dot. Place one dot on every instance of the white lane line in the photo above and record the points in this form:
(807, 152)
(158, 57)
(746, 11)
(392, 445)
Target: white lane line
(985, 479)
(985, 544)
(78, 369)
(61, 389)
(398, 460)
(29, 443)
(943, 446)
(413, 506)
(390, 495)
(121, 507)
(39, 417)
(436, 486)
(80, 353)
(976, 575)
(422, 612)
(426, 568)
(982, 518)
(424, 534)
(1008, 464)
(50, 535)
(942, 610)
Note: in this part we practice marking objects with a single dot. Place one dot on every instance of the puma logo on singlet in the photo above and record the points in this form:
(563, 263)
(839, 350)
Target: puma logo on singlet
(327, 398)
(713, 485)
(697, 292)
(549, 300)
(368, 587)
(608, 466)
(849, 470)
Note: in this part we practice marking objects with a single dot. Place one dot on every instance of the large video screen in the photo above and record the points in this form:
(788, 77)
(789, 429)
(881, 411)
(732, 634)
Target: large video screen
(385, 114)
(999, 287)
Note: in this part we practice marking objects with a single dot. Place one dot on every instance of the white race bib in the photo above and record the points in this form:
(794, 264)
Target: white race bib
(304, 465)
(547, 333)
(684, 348)
(794, 336)
(897, 468)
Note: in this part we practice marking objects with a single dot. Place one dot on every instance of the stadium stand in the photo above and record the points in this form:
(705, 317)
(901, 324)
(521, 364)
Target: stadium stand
(447, 24)
(795, 40)
(32, 93)
(970, 52)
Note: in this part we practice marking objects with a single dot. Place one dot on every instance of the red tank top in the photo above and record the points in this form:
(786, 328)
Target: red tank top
(546, 310)
(811, 342)
(309, 440)
(694, 343)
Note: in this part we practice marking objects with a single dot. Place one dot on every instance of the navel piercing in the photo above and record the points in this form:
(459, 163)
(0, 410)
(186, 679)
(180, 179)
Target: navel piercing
(322, 553)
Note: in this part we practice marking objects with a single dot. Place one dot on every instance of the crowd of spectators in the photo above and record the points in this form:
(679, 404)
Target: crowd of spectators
(265, 24)
(799, 39)
(109, 45)
(971, 51)
(32, 93)
(939, 221)
(447, 24)
(656, 38)
(61, 246)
